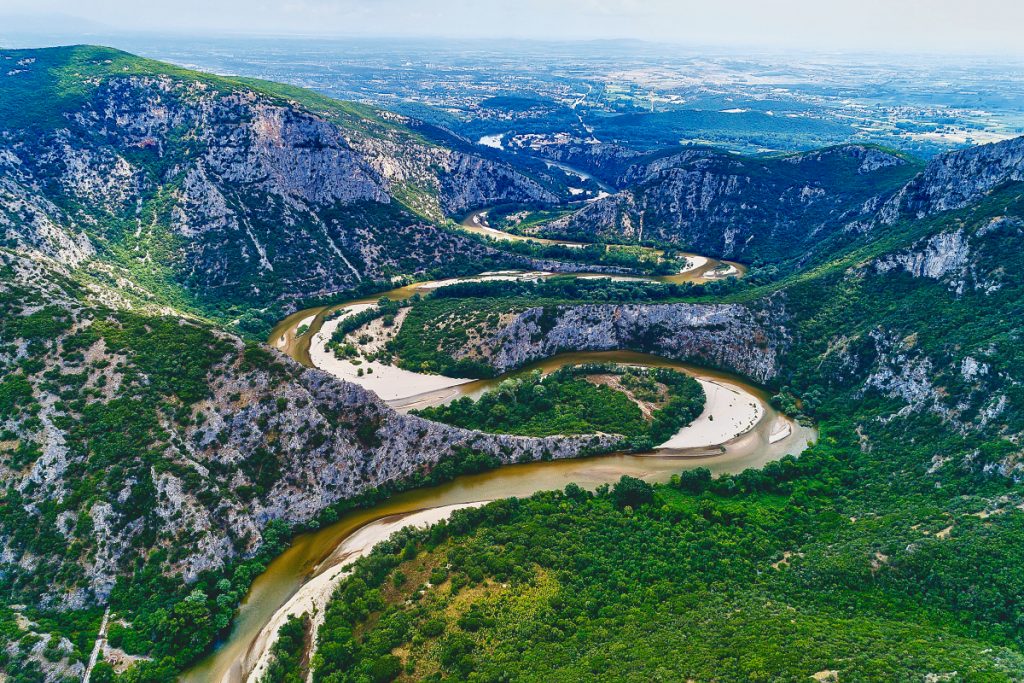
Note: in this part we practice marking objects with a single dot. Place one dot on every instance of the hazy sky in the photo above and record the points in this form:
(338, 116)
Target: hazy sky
(942, 26)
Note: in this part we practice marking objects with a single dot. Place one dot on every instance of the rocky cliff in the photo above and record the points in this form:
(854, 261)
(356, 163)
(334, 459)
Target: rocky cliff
(749, 340)
(957, 179)
(161, 432)
(929, 326)
(229, 191)
(743, 208)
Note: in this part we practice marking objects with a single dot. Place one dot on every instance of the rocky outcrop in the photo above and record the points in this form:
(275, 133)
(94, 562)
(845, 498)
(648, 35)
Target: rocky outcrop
(936, 257)
(49, 654)
(740, 207)
(956, 371)
(954, 180)
(871, 158)
(961, 258)
(968, 396)
(392, 448)
(469, 182)
(265, 440)
(29, 219)
(746, 340)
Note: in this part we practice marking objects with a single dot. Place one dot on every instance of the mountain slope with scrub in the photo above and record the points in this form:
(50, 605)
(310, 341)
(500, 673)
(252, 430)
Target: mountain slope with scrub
(887, 551)
(228, 195)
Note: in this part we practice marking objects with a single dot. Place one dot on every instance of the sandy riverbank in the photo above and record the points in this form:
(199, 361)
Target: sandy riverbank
(314, 595)
(693, 263)
(728, 412)
(486, 277)
(387, 381)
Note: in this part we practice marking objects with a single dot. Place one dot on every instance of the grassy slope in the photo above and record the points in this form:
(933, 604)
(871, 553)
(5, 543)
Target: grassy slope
(61, 79)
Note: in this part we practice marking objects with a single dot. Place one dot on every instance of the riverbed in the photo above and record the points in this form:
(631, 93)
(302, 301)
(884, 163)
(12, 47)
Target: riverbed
(699, 269)
(307, 557)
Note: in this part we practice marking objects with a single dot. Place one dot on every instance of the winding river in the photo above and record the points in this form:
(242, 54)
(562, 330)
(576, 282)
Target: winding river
(700, 268)
(303, 576)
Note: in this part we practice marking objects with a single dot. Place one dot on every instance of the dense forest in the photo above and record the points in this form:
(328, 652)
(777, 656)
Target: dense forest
(629, 583)
(888, 551)
(583, 399)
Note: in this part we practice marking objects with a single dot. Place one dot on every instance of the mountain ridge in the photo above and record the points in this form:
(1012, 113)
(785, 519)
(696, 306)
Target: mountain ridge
(199, 182)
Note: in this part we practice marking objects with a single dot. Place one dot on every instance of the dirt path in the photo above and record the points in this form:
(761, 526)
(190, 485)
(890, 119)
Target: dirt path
(101, 641)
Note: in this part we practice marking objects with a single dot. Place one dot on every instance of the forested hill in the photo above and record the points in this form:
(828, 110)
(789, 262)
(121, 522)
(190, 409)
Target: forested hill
(888, 551)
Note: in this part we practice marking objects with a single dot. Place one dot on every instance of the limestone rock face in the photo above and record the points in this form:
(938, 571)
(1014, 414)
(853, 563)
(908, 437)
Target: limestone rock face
(747, 340)
(735, 207)
(938, 256)
(29, 219)
(958, 378)
(961, 258)
(237, 194)
(270, 440)
(954, 180)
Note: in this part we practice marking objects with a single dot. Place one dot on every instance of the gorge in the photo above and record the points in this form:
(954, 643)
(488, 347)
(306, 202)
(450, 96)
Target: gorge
(195, 277)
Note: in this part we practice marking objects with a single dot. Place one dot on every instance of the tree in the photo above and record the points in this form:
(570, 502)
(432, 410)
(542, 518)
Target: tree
(633, 492)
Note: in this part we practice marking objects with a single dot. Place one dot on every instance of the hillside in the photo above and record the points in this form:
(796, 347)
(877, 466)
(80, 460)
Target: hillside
(888, 551)
(146, 455)
(754, 209)
(226, 195)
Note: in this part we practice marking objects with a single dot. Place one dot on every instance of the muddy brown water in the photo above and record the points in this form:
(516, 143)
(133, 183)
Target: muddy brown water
(712, 269)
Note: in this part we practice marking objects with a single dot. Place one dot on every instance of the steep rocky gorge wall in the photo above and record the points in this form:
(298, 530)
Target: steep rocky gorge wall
(238, 195)
(737, 207)
(749, 340)
(954, 180)
(334, 441)
(200, 473)
(370, 444)
(966, 383)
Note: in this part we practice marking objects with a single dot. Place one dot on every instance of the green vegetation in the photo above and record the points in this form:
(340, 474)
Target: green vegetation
(520, 220)
(886, 551)
(49, 82)
(583, 399)
(140, 239)
(517, 103)
(639, 582)
(286, 656)
(658, 130)
(385, 309)
(438, 328)
(632, 259)
(754, 214)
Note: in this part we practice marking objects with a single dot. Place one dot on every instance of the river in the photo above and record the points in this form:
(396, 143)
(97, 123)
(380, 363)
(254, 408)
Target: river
(700, 268)
(312, 556)
(582, 175)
